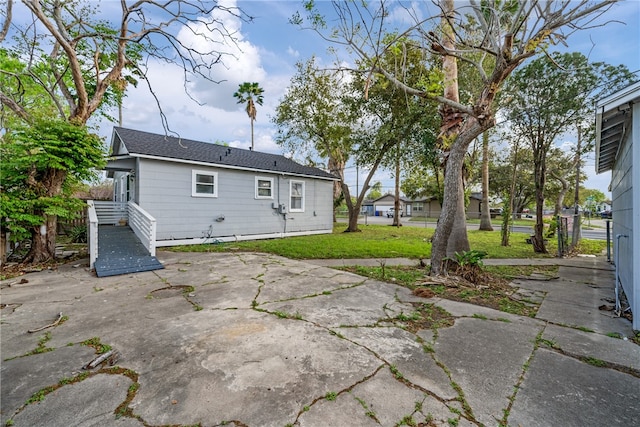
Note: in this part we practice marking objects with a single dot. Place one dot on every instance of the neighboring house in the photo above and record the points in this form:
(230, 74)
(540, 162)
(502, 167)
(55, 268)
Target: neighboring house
(382, 204)
(367, 207)
(199, 192)
(618, 150)
(430, 207)
(603, 206)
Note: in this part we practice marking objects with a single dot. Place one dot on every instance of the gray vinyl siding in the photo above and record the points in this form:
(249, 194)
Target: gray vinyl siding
(626, 213)
(165, 193)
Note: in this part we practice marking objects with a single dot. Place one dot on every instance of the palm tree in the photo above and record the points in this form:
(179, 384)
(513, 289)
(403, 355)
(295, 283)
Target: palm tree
(251, 93)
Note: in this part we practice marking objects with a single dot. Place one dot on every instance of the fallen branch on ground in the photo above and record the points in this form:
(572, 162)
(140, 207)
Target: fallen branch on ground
(56, 323)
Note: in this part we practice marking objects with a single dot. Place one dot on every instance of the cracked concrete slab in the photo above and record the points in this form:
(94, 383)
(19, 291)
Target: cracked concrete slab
(84, 404)
(401, 350)
(486, 359)
(356, 306)
(260, 340)
(24, 376)
(559, 390)
(587, 344)
(573, 303)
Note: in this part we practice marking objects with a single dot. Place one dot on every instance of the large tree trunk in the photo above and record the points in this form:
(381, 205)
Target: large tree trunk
(451, 233)
(353, 210)
(485, 214)
(336, 167)
(458, 240)
(43, 242)
(43, 238)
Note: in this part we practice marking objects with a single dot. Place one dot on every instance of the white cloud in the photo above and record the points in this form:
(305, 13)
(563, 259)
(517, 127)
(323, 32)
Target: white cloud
(239, 59)
(292, 52)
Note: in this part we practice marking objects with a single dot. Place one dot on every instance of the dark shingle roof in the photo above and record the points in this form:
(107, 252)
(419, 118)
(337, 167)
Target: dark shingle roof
(169, 147)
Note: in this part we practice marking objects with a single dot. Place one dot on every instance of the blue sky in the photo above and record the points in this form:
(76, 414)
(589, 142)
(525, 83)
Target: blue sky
(269, 47)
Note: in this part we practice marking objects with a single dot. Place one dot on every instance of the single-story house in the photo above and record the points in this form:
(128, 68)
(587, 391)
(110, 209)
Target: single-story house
(199, 191)
(430, 207)
(618, 150)
(383, 203)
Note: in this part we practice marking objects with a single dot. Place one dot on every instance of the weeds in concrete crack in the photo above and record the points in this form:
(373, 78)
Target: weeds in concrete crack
(407, 420)
(306, 408)
(396, 373)
(96, 345)
(368, 412)
(188, 293)
(255, 303)
(536, 345)
(595, 361)
(337, 334)
(468, 412)
(479, 316)
(40, 348)
(284, 314)
(122, 410)
(547, 343)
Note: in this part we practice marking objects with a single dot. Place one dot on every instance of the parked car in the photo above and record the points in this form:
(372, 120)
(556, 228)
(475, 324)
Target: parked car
(391, 213)
(605, 214)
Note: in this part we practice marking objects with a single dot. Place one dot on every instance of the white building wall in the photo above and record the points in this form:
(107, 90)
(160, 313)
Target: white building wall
(164, 190)
(625, 189)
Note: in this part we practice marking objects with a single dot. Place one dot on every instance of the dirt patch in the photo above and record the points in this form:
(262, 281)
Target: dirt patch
(471, 284)
(476, 286)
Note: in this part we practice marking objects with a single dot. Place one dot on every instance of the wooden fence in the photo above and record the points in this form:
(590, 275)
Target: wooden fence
(66, 225)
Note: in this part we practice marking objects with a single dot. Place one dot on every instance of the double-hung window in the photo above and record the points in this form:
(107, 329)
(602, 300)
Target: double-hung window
(264, 188)
(204, 183)
(296, 190)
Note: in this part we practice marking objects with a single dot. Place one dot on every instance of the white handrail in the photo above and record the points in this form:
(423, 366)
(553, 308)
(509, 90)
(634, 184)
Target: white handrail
(143, 225)
(111, 212)
(92, 228)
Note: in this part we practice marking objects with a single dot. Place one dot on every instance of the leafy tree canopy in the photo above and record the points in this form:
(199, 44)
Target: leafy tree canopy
(41, 166)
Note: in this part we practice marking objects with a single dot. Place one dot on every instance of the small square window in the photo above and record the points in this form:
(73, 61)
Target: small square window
(296, 190)
(264, 188)
(204, 184)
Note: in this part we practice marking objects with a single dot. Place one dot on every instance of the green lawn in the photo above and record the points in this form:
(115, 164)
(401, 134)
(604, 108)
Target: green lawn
(381, 241)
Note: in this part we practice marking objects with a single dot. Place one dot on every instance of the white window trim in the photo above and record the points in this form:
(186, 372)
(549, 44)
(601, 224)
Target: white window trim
(263, 178)
(301, 209)
(194, 173)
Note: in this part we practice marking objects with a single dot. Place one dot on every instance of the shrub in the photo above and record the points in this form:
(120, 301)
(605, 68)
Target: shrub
(78, 234)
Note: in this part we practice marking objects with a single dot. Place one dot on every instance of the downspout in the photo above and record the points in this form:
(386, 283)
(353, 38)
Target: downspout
(618, 310)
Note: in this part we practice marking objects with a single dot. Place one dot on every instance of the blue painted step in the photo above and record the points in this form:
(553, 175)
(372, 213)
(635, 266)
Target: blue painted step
(120, 252)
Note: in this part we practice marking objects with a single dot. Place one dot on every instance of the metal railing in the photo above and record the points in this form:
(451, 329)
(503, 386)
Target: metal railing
(144, 226)
(118, 213)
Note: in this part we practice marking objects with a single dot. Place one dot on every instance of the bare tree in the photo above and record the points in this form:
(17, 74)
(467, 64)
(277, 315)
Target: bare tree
(513, 32)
